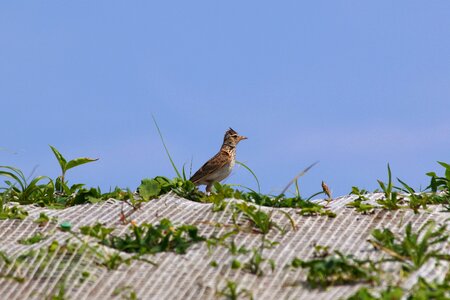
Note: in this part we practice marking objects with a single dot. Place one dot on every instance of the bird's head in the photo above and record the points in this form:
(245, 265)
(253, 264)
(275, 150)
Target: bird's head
(232, 138)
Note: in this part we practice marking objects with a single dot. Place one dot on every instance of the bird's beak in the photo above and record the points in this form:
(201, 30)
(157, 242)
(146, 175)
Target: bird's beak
(241, 137)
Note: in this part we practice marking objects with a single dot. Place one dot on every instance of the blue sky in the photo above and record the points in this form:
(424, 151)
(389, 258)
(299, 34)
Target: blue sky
(352, 84)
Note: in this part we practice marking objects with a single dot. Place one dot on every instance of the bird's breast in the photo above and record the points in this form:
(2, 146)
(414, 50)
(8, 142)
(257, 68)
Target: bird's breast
(224, 171)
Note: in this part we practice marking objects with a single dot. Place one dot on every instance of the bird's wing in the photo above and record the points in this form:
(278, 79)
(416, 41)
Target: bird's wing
(217, 162)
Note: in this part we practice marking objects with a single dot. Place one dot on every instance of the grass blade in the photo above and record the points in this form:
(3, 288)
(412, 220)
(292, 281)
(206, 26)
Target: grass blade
(165, 147)
(297, 177)
(254, 175)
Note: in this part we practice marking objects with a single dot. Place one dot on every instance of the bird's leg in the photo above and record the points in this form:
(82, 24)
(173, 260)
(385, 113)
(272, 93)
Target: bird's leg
(208, 188)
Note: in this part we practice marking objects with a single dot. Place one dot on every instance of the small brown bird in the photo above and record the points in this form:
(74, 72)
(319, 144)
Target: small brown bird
(219, 167)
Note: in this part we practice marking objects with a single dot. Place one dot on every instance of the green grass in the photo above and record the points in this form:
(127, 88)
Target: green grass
(422, 290)
(36, 238)
(404, 196)
(415, 248)
(231, 291)
(411, 249)
(147, 238)
(336, 269)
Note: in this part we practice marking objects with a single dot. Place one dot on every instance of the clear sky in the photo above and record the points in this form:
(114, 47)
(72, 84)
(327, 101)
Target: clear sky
(352, 84)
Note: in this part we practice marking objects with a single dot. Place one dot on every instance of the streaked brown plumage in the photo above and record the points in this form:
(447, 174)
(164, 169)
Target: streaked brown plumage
(220, 165)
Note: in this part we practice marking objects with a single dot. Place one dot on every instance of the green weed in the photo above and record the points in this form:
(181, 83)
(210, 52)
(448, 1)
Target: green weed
(38, 237)
(148, 238)
(439, 183)
(422, 290)
(126, 293)
(255, 264)
(431, 290)
(12, 212)
(415, 200)
(167, 150)
(20, 190)
(337, 269)
(415, 248)
(43, 219)
(232, 292)
(251, 172)
(327, 269)
(390, 293)
(260, 220)
(359, 203)
(364, 208)
(13, 268)
(67, 165)
(160, 185)
(61, 294)
(219, 194)
(309, 208)
(222, 241)
(295, 180)
(440, 187)
(391, 200)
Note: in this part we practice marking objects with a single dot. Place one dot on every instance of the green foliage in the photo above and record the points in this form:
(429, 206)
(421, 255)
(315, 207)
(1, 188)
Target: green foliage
(359, 203)
(232, 292)
(43, 219)
(110, 260)
(54, 194)
(391, 200)
(424, 290)
(76, 195)
(261, 221)
(38, 237)
(361, 207)
(295, 180)
(222, 241)
(149, 189)
(251, 172)
(235, 264)
(306, 207)
(309, 208)
(220, 192)
(148, 238)
(67, 165)
(415, 200)
(20, 190)
(390, 293)
(97, 231)
(61, 295)
(160, 185)
(415, 248)
(126, 293)
(167, 150)
(13, 268)
(440, 187)
(361, 193)
(439, 183)
(12, 212)
(255, 264)
(336, 269)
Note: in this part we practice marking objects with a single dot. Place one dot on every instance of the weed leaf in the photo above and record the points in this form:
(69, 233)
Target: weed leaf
(149, 189)
(79, 161)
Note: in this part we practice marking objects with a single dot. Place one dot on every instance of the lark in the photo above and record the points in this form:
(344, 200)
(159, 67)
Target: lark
(219, 167)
